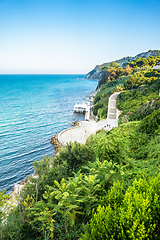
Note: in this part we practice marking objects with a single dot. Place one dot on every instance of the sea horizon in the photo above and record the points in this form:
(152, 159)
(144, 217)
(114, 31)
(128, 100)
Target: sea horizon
(42, 74)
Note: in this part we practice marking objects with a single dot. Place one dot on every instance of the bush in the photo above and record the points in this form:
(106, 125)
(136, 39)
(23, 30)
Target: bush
(47, 170)
(76, 155)
(134, 216)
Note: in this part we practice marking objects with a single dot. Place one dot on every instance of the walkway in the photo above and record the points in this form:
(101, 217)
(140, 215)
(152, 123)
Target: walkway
(73, 134)
(87, 128)
(113, 112)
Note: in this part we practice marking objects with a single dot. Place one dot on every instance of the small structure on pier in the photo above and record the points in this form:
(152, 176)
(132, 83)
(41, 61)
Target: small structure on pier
(80, 108)
(84, 108)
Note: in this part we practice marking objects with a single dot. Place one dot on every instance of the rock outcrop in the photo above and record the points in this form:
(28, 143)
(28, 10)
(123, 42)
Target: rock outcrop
(55, 142)
(94, 74)
(147, 54)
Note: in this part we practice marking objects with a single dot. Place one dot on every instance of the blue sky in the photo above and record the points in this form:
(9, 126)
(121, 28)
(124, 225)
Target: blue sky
(73, 36)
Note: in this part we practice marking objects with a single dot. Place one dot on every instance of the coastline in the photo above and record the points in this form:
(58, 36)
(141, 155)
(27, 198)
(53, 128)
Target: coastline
(90, 126)
(80, 133)
(55, 140)
(28, 125)
(13, 195)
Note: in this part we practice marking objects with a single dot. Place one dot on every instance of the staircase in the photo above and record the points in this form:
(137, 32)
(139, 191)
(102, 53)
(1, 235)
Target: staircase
(113, 112)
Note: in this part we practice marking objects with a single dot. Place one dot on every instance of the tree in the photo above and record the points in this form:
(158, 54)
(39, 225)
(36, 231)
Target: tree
(68, 194)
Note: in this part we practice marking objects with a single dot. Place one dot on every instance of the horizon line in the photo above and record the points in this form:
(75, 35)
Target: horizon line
(42, 73)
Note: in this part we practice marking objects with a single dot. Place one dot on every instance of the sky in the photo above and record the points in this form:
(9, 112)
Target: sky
(73, 36)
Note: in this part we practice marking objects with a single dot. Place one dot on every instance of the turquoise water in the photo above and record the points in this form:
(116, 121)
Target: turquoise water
(33, 108)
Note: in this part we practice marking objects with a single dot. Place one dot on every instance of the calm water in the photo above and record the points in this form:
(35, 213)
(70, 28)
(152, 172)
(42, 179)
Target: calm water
(33, 108)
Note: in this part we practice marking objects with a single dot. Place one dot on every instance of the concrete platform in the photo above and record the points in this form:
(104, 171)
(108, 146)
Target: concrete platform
(82, 132)
(86, 128)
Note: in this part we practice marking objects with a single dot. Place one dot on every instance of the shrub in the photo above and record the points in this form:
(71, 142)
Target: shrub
(137, 216)
(76, 155)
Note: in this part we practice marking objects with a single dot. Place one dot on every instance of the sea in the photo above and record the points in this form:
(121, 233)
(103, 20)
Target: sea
(33, 108)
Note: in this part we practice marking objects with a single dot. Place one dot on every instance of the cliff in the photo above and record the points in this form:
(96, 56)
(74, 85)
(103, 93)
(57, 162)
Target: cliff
(97, 72)
(94, 74)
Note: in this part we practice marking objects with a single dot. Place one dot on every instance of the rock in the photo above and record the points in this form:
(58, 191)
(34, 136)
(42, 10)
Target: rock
(75, 123)
(94, 74)
(55, 142)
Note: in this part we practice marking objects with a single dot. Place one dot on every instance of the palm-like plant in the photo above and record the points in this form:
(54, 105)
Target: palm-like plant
(91, 184)
(68, 194)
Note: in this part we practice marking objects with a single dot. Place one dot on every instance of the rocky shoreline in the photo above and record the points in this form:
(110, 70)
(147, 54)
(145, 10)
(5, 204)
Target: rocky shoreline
(54, 140)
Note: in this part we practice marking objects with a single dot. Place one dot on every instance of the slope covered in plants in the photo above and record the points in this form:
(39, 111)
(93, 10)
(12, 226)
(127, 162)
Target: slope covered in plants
(139, 85)
(108, 188)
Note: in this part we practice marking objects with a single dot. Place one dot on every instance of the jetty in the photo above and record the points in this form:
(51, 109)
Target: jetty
(80, 108)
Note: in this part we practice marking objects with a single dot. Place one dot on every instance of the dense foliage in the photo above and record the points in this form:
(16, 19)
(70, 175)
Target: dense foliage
(127, 60)
(141, 62)
(114, 72)
(130, 215)
(142, 99)
(58, 203)
(143, 79)
(101, 99)
(143, 84)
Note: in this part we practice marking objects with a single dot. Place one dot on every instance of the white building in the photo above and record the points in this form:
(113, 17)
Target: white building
(80, 108)
(84, 108)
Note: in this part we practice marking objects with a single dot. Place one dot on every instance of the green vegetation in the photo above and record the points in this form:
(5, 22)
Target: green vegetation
(114, 72)
(130, 215)
(141, 62)
(101, 99)
(123, 61)
(3, 199)
(142, 98)
(104, 66)
(108, 188)
(60, 204)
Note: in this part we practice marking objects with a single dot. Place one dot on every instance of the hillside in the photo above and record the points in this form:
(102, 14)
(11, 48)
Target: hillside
(140, 83)
(109, 187)
(98, 71)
